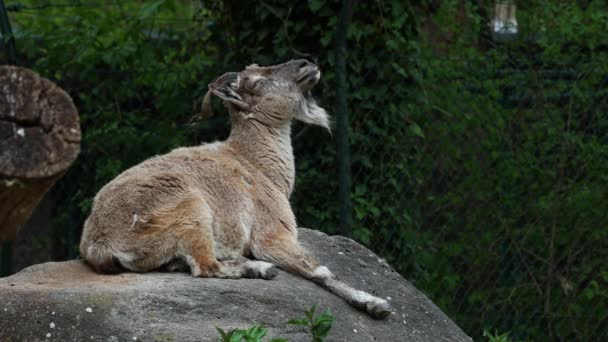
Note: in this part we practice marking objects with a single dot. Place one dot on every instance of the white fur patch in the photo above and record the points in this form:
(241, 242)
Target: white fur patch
(246, 220)
(317, 76)
(311, 113)
(253, 78)
(245, 226)
(124, 257)
(364, 297)
(236, 83)
(322, 272)
(100, 252)
(195, 269)
(361, 296)
(137, 219)
(214, 146)
(91, 252)
(260, 266)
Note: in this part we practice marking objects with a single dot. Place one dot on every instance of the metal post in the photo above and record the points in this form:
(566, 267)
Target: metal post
(342, 122)
(8, 41)
(6, 258)
(7, 35)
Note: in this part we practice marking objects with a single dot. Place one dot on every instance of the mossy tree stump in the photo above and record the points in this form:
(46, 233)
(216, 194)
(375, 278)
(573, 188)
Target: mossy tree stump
(39, 140)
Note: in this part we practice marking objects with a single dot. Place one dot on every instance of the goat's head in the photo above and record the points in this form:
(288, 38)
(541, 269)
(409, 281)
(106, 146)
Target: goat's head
(273, 95)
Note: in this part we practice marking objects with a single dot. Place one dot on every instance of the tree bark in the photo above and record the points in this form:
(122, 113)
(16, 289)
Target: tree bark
(39, 140)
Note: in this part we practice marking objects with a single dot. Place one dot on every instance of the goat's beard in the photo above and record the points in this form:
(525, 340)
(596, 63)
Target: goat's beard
(310, 112)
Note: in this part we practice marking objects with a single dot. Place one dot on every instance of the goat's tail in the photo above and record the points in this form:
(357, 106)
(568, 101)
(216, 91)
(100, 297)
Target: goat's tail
(101, 256)
(100, 253)
(103, 260)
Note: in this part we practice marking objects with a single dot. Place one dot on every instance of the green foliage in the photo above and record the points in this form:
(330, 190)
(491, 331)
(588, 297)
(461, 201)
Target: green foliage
(135, 73)
(476, 166)
(317, 326)
(515, 148)
(253, 334)
(504, 337)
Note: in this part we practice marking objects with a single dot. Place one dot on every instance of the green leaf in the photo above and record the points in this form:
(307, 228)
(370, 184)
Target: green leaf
(255, 333)
(326, 39)
(315, 5)
(415, 129)
(322, 324)
(236, 335)
(223, 334)
(311, 312)
(150, 9)
(298, 321)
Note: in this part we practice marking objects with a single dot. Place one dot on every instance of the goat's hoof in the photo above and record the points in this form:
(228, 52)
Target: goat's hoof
(263, 270)
(378, 309)
(270, 273)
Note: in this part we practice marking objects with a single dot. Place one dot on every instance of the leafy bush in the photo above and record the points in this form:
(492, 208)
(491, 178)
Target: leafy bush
(511, 193)
(253, 334)
(136, 74)
(317, 326)
(496, 337)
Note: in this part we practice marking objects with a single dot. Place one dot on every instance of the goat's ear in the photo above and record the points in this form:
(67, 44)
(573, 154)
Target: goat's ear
(226, 88)
(310, 112)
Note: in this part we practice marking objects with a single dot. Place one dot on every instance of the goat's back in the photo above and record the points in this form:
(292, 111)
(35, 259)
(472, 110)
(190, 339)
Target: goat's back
(128, 209)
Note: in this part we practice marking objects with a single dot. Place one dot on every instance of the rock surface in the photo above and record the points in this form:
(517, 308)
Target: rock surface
(66, 301)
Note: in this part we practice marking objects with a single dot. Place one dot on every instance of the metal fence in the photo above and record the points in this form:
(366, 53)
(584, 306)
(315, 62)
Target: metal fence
(491, 261)
(497, 278)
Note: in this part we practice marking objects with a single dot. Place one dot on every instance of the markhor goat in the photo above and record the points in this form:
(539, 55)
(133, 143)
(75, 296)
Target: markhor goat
(221, 209)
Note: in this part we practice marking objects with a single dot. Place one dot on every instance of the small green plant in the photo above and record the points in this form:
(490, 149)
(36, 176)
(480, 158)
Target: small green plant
(504, 337)
(253, 334)
(317, 326)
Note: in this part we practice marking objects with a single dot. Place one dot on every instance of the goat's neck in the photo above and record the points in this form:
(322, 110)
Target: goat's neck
(266, 148)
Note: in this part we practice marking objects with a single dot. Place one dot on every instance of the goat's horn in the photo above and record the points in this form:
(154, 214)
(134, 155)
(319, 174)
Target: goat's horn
(206, 110)
(205, 113)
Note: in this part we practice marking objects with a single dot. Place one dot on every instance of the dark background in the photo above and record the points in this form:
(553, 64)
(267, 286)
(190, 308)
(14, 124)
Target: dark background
(478, 164)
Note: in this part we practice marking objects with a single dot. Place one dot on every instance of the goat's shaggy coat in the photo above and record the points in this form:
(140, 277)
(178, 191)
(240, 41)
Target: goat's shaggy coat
(220, 209)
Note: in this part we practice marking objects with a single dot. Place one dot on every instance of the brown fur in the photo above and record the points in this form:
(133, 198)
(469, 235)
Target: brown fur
(214, 205)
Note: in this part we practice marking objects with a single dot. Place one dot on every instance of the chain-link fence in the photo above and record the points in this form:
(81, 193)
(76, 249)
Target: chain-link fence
(488, 190)
(490, 204)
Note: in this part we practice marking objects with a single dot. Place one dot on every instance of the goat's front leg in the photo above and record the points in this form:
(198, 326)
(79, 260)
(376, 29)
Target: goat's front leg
(283, 250)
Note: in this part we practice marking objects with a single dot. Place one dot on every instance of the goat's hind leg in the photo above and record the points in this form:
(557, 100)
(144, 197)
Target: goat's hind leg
(196, 249)
(231, 269)
(286, 252)
(197, 252)
(245, 268)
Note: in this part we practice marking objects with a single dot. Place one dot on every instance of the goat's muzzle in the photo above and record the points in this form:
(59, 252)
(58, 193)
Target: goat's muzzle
(308, 76)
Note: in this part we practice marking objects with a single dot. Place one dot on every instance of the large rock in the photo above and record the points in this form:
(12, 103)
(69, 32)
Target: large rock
(66, 301)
